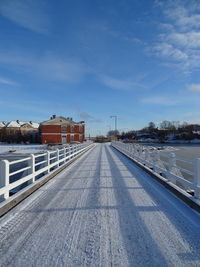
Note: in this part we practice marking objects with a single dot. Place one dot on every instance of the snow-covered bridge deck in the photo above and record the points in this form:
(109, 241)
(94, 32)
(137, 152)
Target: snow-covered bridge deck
(101, 211)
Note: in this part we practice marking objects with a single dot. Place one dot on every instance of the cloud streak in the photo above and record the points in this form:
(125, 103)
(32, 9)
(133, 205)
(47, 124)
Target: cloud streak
(50, 66)
(119, 84)
(7, 82)
(159, 100)
(89, 118)
(194, 87)
(179, 41)
(25, 13)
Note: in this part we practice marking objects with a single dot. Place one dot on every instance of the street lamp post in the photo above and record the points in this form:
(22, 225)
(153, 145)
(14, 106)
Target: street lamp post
(115, 117)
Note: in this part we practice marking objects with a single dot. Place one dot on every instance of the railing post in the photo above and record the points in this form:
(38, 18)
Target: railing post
(145, 155)
(4, 177)
(197, 178)
(48, 161)
(133, 151)
(148, 157)
(173, 167)
(171, 161)
(65, 153)
(140, 153)
(136, 152)
(70, 151)
(74, 149)
(57, 155)
(156, 157)
(32, 165)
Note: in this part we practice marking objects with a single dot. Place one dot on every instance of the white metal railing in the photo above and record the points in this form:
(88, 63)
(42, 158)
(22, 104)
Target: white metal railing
(31, 168)
(170, 168)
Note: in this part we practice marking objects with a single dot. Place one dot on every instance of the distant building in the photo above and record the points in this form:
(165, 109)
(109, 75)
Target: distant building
(60, 130)
(2, 125)
(113, 138)
(19, 131)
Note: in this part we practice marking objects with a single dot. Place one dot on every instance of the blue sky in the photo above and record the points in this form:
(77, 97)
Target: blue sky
(136, 59)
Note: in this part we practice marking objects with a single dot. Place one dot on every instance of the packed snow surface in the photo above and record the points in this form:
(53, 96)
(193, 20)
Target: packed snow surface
(101, 211)
(22, 149)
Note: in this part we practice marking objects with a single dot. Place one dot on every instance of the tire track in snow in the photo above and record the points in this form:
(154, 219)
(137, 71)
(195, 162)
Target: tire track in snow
(112, 248)
(169, 222)
(28, 220)
(83, 231)
(140, 248)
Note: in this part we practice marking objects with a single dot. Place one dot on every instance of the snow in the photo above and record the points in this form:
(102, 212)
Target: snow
(193, 141)
(101, 211)
(20, 123)
(196, 132)
(34, 124)
(22, 148)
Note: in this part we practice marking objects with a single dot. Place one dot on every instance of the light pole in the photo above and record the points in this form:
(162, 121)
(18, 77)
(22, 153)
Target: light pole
(115, 117)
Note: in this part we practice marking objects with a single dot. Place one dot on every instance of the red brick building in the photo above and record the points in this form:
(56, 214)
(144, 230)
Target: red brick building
(60, 130)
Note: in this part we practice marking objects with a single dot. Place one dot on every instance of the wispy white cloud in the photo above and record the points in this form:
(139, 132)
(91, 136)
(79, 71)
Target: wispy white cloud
(169, 51)
(187, 40)
(119, 84)
(26, 13)
(159, 100)
(179, 40)
(184, 16)
(194, 87)
(129, 37)
(56, 68)
(7, 82)
(85, 116)
(50, 66)
(89, 118)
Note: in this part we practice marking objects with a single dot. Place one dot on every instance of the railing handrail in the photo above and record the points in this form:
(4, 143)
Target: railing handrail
(168, 169)
(61, 156)
(18, 161)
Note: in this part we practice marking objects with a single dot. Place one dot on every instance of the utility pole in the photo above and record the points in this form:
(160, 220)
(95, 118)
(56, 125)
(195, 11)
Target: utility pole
(115, 117)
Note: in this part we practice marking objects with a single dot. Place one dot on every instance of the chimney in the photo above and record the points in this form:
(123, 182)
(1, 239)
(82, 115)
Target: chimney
(54, 116)
(30, 122)
(17, 121)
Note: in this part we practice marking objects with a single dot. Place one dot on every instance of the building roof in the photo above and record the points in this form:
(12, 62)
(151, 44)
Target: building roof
(17, 124)
(34, 124)
(59, 121)
(2, 124)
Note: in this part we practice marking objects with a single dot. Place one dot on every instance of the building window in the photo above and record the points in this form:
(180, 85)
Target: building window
(72, 129)
(63, 129)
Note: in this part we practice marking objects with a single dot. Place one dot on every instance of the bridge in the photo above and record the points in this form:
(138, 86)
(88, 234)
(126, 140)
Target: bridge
(101, 210)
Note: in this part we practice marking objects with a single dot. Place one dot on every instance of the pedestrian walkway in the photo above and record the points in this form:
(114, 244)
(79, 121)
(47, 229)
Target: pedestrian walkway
(102, 210)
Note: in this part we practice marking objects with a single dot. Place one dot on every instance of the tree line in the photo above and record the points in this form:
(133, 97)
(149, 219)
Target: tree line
(164, 131)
